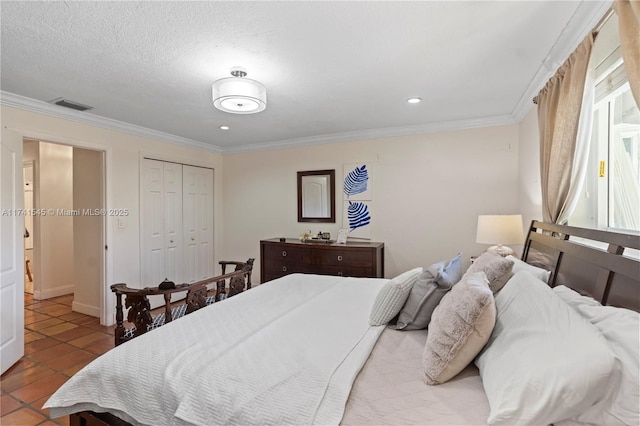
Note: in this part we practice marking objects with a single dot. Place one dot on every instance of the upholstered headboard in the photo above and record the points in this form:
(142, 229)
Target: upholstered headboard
(600, 264)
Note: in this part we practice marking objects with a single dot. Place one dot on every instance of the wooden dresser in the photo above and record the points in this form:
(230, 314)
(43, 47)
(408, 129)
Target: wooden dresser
(360, 259)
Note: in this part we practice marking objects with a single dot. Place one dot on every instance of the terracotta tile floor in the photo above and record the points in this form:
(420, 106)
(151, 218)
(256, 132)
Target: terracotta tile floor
(58, 343)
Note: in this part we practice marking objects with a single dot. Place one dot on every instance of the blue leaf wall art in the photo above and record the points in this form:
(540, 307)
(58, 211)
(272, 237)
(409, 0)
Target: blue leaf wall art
(355, 182)
(358, 215)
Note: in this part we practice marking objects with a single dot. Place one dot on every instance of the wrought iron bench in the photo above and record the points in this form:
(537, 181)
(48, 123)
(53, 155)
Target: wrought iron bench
(139, 308)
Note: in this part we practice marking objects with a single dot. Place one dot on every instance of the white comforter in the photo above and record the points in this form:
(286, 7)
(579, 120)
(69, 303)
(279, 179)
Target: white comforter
(285, 352)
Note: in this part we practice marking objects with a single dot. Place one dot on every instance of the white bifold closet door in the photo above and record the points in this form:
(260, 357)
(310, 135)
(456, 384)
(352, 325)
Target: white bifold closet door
(197, 222)
(177, 223)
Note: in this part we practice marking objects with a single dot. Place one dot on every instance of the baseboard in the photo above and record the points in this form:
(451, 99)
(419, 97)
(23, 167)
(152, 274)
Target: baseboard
(54, 292)
(83, 308)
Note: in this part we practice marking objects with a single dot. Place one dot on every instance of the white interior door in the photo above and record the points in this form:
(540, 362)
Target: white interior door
(173, 222)
(162, 227)
(153, 238)
(198, 222)
(11, 250)
(205, 222)
(177, 225)
(190, 223)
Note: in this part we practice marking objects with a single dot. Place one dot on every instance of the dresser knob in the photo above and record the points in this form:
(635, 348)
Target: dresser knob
(284, 253)
(339, 274)
(339, 258)
(284, 269)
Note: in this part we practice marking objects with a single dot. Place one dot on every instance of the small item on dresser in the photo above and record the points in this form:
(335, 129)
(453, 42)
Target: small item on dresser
(166, 284)
(305, 236)
(342, 236)
(283, 239)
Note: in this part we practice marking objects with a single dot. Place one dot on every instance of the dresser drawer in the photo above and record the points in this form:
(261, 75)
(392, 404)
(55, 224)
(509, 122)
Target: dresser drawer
(343, 271)
(283, 267)
(352, 257)
(282, 252)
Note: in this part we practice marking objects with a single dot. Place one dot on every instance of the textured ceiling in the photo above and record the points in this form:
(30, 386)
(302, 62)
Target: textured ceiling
(333, 70)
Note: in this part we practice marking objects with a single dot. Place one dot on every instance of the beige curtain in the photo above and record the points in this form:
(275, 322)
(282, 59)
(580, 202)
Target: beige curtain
(628, 12)
(564, 120)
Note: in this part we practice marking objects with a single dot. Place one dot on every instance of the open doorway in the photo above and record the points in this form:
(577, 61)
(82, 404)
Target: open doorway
(68, 224)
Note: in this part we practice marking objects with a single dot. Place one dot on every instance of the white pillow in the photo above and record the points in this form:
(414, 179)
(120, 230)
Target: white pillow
(519, 265)
(392, 296)
(621, 328)
(573, 298)
(544, 362)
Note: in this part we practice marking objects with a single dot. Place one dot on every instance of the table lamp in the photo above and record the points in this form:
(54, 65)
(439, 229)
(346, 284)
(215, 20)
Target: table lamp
(500, 230)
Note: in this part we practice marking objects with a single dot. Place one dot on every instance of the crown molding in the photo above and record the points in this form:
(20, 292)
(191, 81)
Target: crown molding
(33, 105)
(584, 20)
(29, 104)
(387, 132)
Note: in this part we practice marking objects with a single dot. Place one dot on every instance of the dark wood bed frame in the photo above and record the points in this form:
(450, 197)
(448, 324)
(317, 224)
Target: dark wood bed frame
(600, 264)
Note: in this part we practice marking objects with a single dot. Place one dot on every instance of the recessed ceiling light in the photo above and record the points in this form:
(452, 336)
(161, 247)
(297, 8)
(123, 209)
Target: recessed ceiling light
(224, 127)
(414, 100)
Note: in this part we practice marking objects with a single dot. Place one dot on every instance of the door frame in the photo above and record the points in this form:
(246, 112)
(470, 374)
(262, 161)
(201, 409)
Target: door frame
(107, 305)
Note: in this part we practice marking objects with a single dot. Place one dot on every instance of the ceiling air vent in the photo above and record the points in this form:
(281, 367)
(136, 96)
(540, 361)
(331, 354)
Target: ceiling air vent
(70, 104)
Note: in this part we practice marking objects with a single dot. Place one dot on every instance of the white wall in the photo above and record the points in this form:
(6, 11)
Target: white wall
(88, 246)
(428, 192)
(529, 192)
(52, 263)
(54, 242)
(123, 153)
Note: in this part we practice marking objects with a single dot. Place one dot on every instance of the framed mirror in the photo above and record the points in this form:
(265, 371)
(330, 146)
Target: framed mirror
(316, 196)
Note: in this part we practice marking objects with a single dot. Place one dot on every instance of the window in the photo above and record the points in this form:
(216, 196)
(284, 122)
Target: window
(611, 194)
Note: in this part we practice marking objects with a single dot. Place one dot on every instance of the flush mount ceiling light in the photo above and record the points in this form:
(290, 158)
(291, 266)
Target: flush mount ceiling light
(239, 95)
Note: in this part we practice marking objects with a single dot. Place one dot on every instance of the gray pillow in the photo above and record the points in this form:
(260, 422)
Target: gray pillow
(432, 284)
(497, 268)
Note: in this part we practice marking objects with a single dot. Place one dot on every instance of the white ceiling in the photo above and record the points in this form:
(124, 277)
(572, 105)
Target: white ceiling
(333, 70)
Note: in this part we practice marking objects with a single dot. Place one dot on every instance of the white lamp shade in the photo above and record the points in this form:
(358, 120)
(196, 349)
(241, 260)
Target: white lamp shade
(239, 95)
(500, 229)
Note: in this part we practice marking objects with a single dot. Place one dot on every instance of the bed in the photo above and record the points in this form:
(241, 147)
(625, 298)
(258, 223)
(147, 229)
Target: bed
(302, 350)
